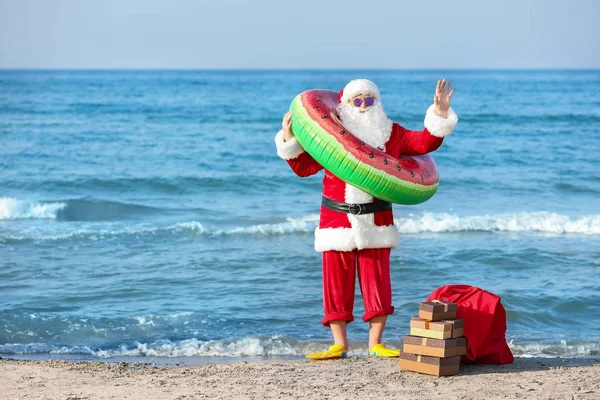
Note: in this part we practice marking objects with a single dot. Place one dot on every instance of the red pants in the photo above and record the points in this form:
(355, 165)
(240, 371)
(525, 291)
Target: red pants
(339, 277)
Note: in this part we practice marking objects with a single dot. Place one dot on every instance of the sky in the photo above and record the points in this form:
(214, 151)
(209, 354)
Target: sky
(303, 34)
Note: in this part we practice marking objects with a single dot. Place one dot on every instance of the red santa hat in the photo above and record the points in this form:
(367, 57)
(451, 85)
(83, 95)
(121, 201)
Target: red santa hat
(356, 87)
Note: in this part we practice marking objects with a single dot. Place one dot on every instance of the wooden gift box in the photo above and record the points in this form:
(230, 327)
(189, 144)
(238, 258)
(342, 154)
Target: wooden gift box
(433, 347)
(430, 365)
(430, 329)
(437, 310)
(461, 346)
(458, 327)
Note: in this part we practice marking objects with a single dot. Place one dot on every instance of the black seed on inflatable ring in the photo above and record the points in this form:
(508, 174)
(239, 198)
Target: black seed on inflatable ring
(316, 106)
(427, 172)
(342, 132)
(362, 143)
(399, 169)
(422, 180)
(324, 116)
(412, 175)
(385, 161)
(371, 155)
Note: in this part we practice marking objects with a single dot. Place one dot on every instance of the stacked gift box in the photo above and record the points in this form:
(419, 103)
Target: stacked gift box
(436, 340)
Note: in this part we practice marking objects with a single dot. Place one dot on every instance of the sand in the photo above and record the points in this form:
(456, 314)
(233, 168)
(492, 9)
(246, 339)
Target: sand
(352, 378)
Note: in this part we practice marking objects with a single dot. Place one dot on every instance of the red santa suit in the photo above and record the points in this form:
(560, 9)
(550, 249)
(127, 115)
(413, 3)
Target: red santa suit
(360, 243)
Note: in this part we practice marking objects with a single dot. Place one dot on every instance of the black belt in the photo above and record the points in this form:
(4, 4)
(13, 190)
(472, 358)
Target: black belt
(354, 208)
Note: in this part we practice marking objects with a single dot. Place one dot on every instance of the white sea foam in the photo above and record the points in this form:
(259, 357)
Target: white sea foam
(524, 222)
(244, 347)
(559, 348)
(193, 226)
(518, 222)
(292, 225)
(276, 346)
(99, 231)
(11, 209)
(445, 223)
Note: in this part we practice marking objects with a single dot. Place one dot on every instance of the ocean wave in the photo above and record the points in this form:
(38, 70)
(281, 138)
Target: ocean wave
(11, 209)
(257, 346)
(527, 222)
(105, 232)
(524, 222)
(292, 225)
(72, 210)
(439, 223)
(557, 348)
(102, 210)
(521, 119)
(243, 347)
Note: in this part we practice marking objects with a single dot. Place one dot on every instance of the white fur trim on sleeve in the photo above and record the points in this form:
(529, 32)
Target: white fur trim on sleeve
(438, 126)
(287, 149)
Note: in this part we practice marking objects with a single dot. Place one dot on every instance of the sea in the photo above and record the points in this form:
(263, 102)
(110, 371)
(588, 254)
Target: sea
(145, 215)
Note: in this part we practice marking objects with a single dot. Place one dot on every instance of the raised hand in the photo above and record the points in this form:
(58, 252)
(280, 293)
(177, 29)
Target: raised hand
(286, 125)
(442, 97)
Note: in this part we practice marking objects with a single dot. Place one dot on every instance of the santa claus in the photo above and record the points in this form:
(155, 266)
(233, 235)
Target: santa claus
(356, 231)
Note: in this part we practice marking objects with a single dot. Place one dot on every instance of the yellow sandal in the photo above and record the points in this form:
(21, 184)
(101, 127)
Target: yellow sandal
(335, 351)
(380, 350)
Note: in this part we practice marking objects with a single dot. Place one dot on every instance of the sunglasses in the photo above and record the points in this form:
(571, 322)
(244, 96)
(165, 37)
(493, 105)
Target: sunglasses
(369, 101)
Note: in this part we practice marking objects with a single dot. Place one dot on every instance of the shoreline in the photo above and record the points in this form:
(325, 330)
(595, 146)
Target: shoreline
(158, 361)
(193, 361)
(361, 378)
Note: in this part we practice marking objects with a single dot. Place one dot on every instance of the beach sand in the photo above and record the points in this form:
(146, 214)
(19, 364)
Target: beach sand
(352, 378)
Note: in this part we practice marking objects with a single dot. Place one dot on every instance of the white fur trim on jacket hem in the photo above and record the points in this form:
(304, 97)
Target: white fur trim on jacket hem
(438, 126)
(287, 150)
(348, 239)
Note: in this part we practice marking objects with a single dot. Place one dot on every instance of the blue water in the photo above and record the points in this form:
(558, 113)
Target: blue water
(147, 214)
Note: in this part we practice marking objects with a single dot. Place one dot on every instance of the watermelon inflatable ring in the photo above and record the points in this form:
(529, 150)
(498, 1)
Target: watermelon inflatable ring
(404, 180)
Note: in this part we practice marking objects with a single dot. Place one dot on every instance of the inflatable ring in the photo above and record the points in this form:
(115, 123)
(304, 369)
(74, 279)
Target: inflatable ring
(403, 180)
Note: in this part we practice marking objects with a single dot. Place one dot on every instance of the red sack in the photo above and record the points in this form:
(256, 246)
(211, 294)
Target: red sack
(485, 323)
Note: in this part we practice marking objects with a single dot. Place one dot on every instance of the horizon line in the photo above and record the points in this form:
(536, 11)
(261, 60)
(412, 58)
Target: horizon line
(298, 69)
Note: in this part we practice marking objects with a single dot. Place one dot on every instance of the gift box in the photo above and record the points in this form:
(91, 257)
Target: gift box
(429, 365)
(430, 329)
(437, 310)
(432, 347)
(461, 346)
(458, 327)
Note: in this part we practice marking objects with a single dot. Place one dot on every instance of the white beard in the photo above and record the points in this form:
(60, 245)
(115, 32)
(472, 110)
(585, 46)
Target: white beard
(372, 126)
